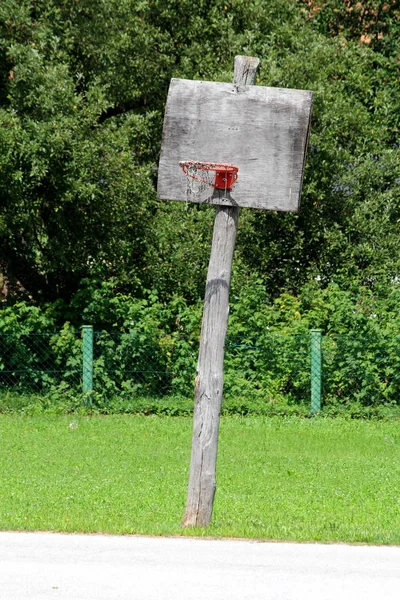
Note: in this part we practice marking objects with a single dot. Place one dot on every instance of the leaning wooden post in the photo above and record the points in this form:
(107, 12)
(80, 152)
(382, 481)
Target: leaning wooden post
(263, 133)
(210, 379)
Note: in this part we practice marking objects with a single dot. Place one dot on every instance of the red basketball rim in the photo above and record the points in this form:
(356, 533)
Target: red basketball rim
(225, 175)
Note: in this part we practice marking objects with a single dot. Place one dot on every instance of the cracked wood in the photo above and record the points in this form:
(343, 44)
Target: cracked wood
(210, 380)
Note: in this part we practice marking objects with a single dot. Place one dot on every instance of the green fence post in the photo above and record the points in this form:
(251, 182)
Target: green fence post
(87, 360)
(316, 370)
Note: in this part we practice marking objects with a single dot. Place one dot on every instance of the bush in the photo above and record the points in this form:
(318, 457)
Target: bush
(151, 367)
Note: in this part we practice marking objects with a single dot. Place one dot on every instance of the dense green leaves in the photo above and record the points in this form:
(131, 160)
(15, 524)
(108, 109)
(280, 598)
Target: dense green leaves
(82, 92)
(147, 362)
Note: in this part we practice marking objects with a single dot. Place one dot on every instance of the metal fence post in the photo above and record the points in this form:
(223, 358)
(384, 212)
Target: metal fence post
(87, 360)
(316, 370)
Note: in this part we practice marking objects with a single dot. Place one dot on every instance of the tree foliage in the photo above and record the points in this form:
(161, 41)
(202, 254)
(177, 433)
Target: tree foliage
(82, 92)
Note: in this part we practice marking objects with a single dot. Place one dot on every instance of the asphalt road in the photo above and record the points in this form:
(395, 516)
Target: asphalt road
(44, 566)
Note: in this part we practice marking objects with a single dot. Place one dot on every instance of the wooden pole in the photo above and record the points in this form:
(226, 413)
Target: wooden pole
(209, 380)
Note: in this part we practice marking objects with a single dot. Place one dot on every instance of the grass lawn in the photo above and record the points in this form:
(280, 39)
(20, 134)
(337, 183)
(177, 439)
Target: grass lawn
(286, 479)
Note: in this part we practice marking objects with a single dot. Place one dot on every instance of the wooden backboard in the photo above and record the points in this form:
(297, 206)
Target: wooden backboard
(264, 131)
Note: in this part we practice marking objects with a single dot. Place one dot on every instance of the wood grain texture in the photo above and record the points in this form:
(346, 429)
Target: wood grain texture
(264, 131)
(210, 379)
(245, 70)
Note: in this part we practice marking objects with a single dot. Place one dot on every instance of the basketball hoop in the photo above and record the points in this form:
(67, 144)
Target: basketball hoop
(205, 177)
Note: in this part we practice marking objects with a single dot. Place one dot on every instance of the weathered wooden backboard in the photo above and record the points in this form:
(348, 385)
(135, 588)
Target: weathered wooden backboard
(262, 130)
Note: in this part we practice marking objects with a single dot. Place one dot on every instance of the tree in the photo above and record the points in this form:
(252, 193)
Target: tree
(82, 92)
(347, 227)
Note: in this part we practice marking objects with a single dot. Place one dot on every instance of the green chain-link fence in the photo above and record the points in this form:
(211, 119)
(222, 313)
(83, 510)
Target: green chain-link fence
(40, 362)
(316, 370)
(97, 366)
(310, 369)
(364, 370)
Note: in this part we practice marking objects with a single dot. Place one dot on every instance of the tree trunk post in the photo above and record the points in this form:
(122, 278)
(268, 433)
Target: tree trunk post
(209, 380)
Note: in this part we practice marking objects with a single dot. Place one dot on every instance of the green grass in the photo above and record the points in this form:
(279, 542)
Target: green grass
(278, 478)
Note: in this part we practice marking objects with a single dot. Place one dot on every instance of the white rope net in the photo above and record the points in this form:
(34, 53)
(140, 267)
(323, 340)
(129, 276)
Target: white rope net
(199, 182)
